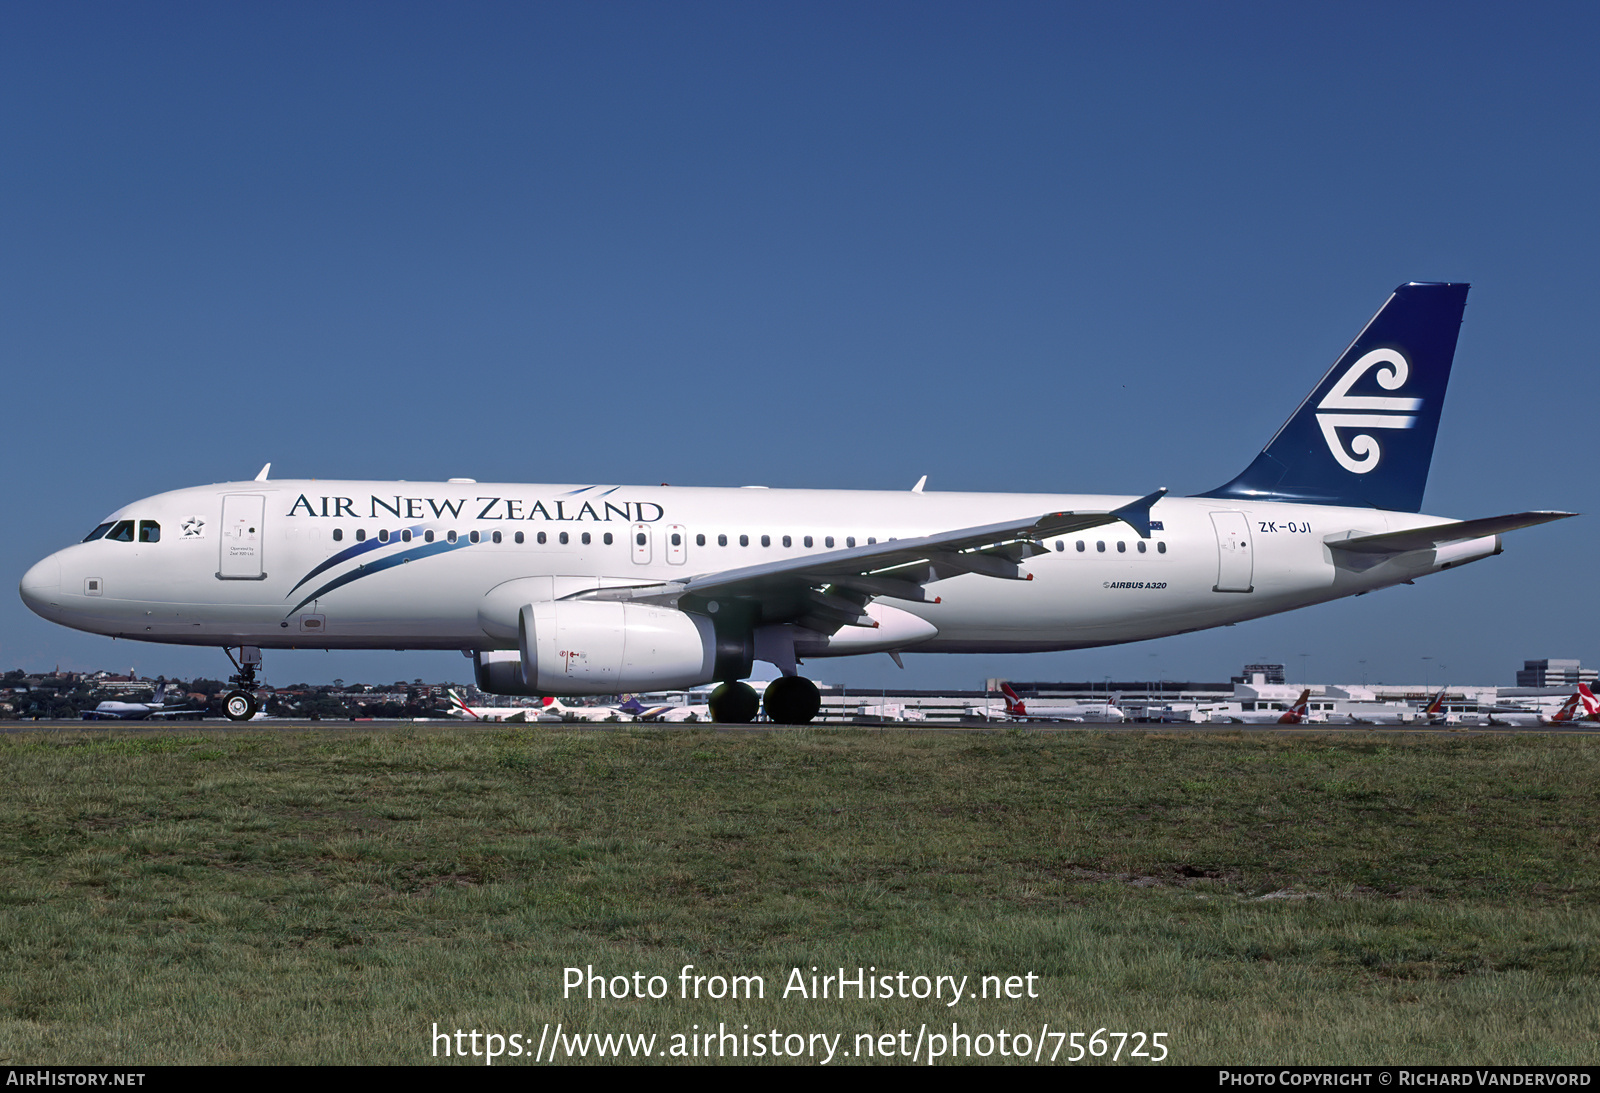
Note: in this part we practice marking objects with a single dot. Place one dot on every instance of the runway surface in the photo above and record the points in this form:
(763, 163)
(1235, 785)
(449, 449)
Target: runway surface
(298, 725)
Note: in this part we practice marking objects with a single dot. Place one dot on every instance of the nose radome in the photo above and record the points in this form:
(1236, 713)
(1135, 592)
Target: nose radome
(41, 585)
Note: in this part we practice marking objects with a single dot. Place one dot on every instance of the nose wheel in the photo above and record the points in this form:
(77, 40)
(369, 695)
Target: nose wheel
(242, 704)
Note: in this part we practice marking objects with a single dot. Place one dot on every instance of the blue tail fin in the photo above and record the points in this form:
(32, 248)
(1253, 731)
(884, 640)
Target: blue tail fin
(1364, 436)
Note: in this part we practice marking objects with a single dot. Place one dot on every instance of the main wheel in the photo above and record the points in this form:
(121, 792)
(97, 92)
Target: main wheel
(792, 700)
(240, 705)
(734, 703)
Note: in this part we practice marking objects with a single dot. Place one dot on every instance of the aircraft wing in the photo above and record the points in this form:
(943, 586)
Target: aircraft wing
(833, 588)
(1434, 535)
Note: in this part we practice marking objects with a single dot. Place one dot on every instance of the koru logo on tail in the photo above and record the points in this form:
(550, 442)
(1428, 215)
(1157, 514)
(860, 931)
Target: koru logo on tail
(1377, 411)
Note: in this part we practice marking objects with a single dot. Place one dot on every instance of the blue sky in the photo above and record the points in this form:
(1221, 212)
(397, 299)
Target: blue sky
(1010, 246)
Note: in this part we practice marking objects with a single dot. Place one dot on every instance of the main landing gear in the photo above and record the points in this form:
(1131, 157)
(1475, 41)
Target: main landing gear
(242, 704)
(790, 700)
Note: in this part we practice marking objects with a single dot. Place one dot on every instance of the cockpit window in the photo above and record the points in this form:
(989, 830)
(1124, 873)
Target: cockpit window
(97, 533)
(149, 531)
(121, 531)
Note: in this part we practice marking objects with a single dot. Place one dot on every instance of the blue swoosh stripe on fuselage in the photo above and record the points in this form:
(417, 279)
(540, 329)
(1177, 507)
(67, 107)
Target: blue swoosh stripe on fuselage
(379, 566)
(345, 555)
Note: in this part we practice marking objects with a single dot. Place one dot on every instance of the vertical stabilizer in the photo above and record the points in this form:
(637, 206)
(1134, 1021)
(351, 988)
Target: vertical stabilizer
(1364, 436)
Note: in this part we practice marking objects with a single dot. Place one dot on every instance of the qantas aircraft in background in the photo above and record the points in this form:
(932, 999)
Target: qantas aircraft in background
(1582, 706)
(1296, 714)
(1035, 710)
(600, 589)
(553, 709)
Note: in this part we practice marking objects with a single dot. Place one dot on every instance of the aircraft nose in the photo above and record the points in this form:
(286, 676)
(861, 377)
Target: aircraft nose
(41, 586)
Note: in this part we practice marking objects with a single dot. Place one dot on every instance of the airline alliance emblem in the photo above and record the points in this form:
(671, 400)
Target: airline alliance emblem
(1380, 411)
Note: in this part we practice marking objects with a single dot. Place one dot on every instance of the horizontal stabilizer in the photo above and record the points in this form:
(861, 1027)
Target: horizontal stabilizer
(1435, 535)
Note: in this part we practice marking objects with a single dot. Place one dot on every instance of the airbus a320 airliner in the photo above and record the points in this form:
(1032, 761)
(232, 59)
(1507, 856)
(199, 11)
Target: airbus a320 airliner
(600, 589)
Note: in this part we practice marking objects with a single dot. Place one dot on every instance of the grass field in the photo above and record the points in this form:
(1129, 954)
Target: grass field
(331, 895)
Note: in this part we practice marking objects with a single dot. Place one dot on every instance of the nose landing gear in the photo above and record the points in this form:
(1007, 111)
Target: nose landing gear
(242, 704)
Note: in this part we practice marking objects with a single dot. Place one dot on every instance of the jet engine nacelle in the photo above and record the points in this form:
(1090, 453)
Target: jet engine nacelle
(578, 647)
(499, 672)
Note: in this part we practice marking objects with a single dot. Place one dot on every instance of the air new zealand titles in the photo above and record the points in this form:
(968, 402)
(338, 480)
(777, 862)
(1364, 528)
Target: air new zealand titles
(600, 510)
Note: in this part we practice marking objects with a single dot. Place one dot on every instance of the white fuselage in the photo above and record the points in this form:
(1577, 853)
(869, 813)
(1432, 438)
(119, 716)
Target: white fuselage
(237, 564)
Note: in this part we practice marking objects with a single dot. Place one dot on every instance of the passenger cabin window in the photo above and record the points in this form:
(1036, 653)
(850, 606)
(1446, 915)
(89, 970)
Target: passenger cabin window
(450, 536)
(149, 531)
(1080, 546)
(766, 540)
(496, 536)
(744, 540)
(405, 536)
(1141, 546)
(1060, 546)
(564, 537)
(542, 539)
(518, 538)
(383, 535)
(828, 542)
(807, 542)
(700, 540)
(427, 537)
(97, 533)
(788, 541)
(722, 540)
(1101, 546)
(608, 540)
(677, 540)
(586, 538)
(1161, 548)
(1122, 548)
(849, 540)
(361, 535)
(338, 535)
(474, 537)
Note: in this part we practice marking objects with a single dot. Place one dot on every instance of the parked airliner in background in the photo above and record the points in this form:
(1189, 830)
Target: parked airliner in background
(1581, 707)
(458, 708)
(1297, 714)
(553, 709)
(154, 710)
(1035, 710)
(1429, 714)
(598, 589)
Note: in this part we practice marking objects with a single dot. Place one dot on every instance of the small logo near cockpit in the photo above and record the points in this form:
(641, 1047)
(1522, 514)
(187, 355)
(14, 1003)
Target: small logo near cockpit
(194, 527)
